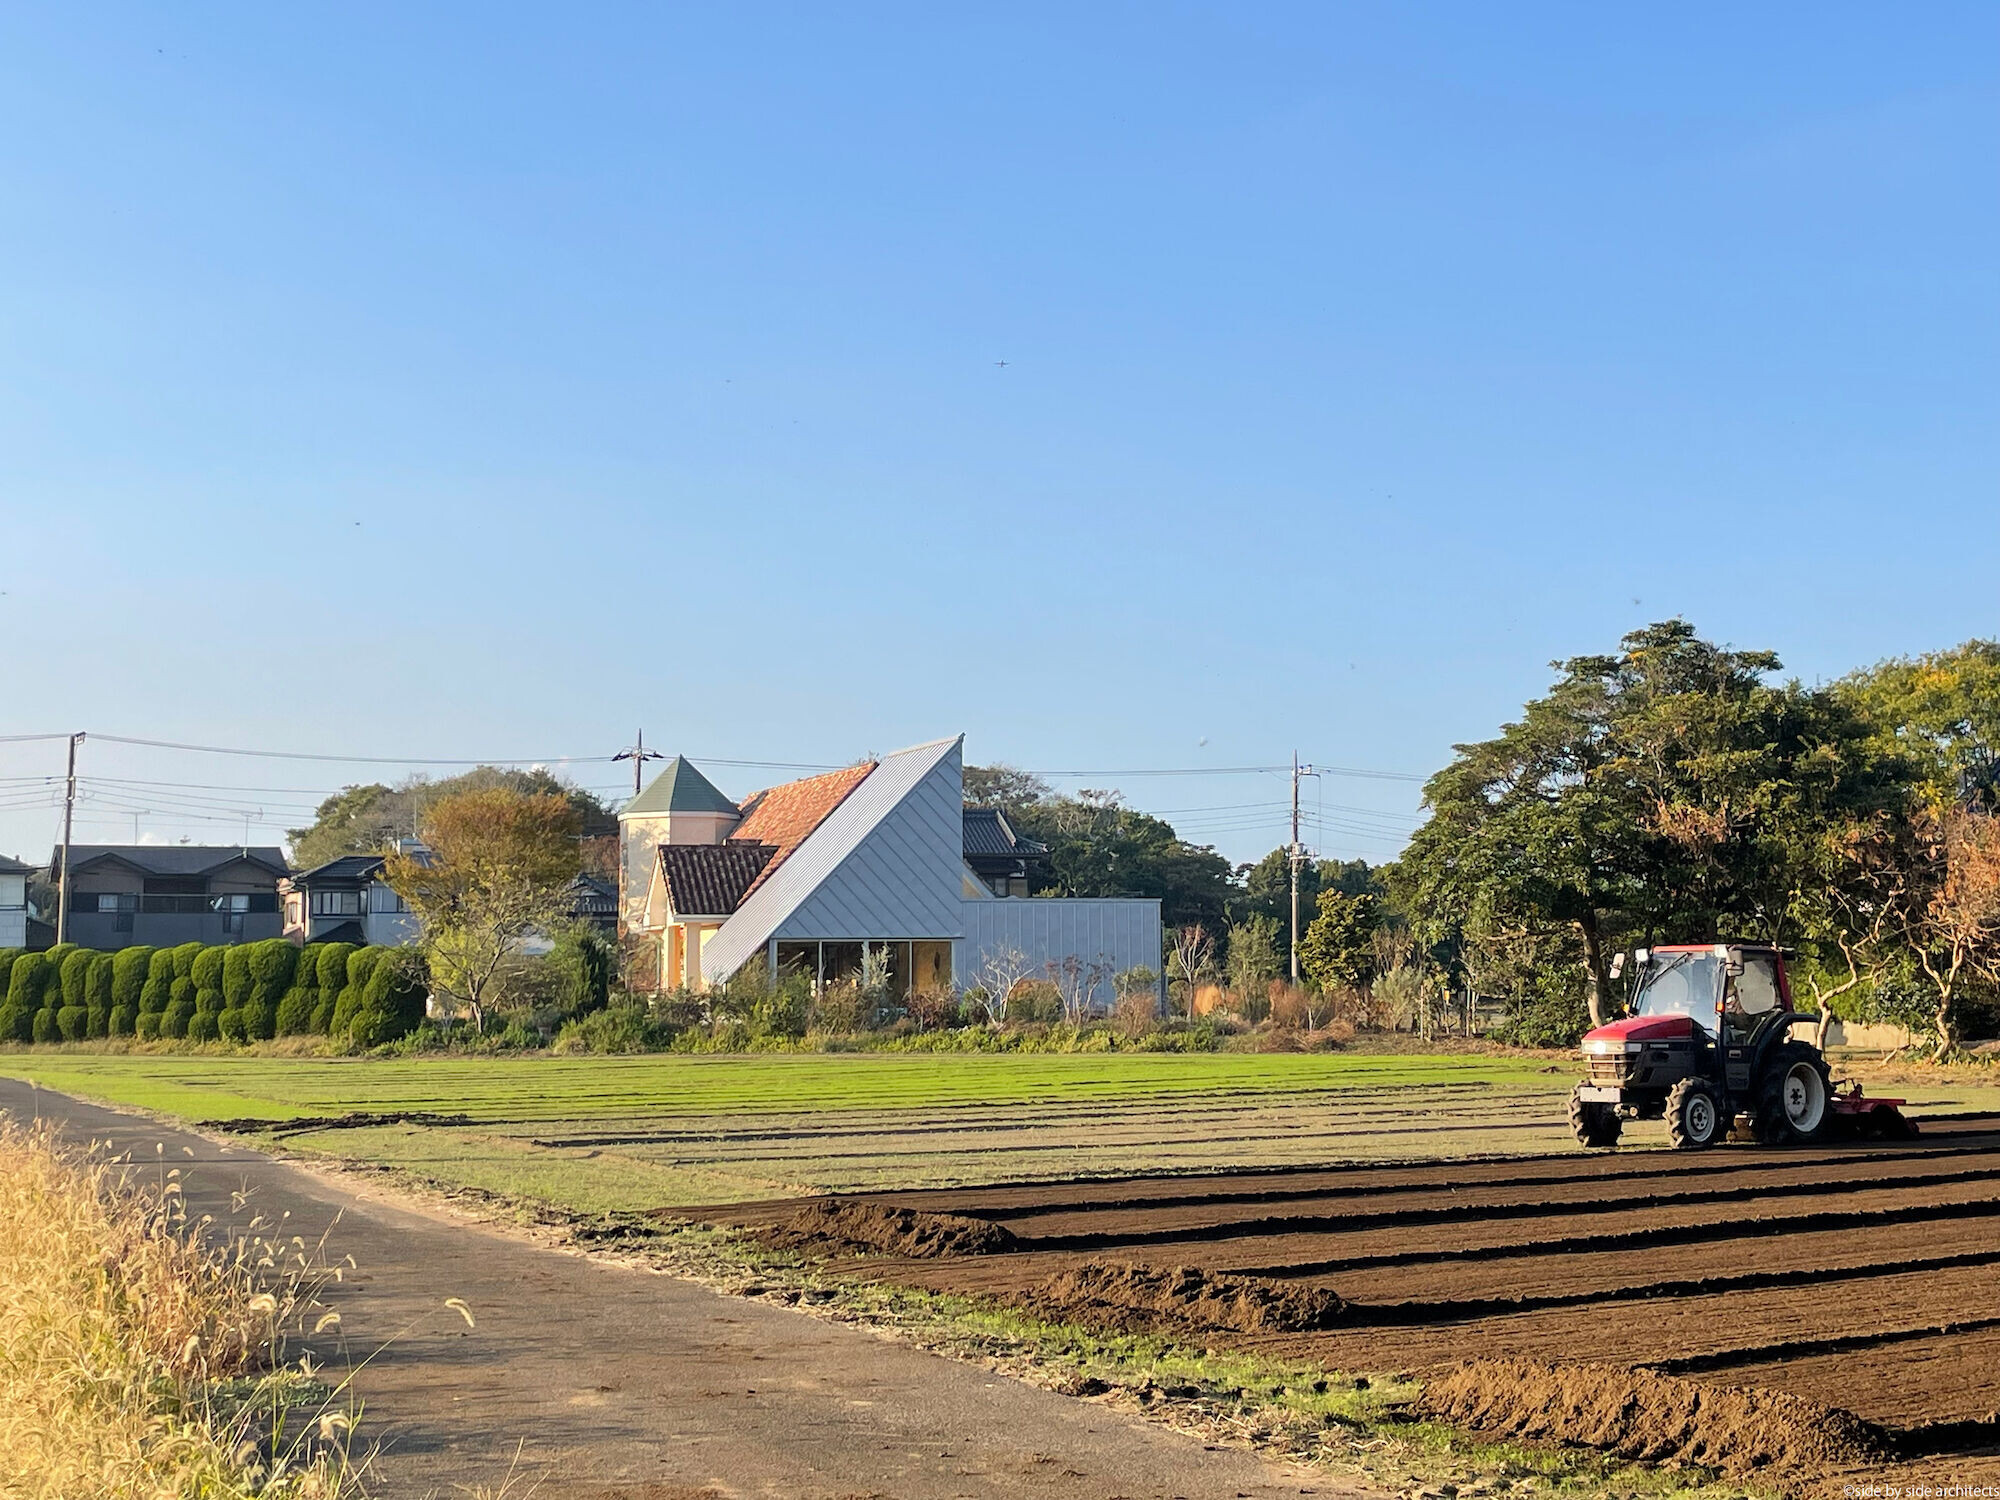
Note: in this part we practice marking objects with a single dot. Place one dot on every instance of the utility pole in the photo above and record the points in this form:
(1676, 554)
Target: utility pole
(69, 815)
(638, 754)
(1298, 857)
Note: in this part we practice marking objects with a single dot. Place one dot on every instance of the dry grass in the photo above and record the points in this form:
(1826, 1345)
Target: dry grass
(135, 1361)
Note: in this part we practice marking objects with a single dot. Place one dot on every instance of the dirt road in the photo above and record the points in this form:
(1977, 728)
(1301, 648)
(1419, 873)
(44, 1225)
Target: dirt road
(623, 1384)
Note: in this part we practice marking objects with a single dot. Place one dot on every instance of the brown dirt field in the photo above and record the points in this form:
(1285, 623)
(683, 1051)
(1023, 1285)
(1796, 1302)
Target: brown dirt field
(1811, 1312)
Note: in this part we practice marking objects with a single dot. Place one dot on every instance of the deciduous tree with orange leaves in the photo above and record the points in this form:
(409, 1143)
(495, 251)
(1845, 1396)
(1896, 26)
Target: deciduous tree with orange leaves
(491, 874)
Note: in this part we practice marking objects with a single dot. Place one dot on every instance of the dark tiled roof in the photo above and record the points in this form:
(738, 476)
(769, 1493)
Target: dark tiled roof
(679, 788)
(175, 859)
(708, 880)
(988, 833)
(784, 815)
(12, 866)
(349, 931)
(591, 897)
(347, 867)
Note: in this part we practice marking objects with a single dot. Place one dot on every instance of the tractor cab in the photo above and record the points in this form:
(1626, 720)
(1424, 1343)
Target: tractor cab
(1708, 1024)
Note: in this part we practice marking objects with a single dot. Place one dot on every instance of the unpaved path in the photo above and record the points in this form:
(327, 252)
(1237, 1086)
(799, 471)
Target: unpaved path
(617, 1383)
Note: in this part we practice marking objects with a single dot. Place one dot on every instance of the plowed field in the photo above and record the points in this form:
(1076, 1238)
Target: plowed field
(1862, 1279)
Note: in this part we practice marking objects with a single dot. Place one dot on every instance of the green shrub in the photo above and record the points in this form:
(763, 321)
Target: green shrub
(73, 1022)
(17, 1023)
(332, 969)
(146, 1026)
(232, 1025)
(584, 963)
(615, 1028)
(97, 994)
(273, 965)
(180, 989)
(56, 955)
(7, 957)
(236, 981)
(206, 968)
(75, 975)
(128, 974)
(295, 1011)
(322, 1016)
(153, 997)
(124, 1021)
(174, 1021)
(361, 966)
(45, 1025)
(180, 960)
(260, 1018)
(208, 1002)
(24, 984)
(205, 1026)
(98, 983)
(392, 1001)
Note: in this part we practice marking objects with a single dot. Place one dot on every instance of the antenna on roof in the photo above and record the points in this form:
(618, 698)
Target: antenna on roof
(638, 754)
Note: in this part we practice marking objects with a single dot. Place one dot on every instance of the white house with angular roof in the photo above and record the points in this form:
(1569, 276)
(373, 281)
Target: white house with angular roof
(812, 875)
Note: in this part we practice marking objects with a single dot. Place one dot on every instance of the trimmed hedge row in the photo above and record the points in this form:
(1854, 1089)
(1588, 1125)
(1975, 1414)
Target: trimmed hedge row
(240, 991)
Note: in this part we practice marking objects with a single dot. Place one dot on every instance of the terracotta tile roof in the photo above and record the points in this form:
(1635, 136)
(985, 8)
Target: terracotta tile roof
(708, 880)
(784, 815)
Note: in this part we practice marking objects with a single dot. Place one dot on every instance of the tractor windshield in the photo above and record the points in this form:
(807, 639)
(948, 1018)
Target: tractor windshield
(1680, 984)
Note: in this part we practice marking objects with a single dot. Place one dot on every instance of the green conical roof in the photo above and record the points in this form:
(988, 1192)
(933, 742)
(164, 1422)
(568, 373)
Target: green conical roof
(680, 788)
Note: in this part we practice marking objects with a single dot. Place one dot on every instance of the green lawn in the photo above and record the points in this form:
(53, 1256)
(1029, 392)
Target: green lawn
(627, 1134)
(525, 1089)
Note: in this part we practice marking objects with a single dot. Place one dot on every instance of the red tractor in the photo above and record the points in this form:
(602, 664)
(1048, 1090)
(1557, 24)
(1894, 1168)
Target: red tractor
(1709, 1045)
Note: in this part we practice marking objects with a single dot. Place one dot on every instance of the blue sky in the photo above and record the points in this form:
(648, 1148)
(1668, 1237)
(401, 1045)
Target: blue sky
(492, 381)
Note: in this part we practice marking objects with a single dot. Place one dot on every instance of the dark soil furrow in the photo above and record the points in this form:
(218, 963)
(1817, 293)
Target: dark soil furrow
(1640, 1239)
(1752, 1354)
(1453, 1213)
(1666, 1167)
(1412, 1313)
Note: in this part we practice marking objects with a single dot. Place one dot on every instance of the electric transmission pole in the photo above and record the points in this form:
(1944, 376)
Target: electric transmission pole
(69, 814)
(638, 754)
(1298, 857)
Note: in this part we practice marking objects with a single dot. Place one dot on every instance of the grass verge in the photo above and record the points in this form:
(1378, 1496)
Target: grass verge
(137, 1361)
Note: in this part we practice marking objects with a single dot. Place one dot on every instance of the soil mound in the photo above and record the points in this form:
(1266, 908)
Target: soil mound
(1657, 1418)
(855, 1224)
(1115, 1295)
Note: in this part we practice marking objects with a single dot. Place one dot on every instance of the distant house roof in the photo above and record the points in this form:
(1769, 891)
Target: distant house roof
(12, 866)
(680, 788)
(174, 859)
(592, 898)
(989, 835)
(710, 880)
(346, 867)
(785, 815)
(349, 931)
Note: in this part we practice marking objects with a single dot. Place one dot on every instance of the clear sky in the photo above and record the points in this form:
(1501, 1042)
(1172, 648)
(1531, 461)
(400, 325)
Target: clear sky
(492, 381)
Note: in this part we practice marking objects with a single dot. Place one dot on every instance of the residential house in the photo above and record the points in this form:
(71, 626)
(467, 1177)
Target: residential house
(880, 859)
(14, 902)
(998, 857)
(346, 900)
(163, 894)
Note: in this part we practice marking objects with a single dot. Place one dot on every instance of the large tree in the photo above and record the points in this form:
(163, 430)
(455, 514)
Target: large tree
(491, 875)
(1668, 792)
(1100, 847)
(368, 819)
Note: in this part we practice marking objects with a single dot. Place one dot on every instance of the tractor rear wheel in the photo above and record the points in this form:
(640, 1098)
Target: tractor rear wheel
(1794, 1102)
(1592, 1123)
(1694, 1119)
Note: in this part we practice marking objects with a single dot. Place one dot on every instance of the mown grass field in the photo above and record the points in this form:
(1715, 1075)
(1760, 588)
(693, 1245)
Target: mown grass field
(627, 1134)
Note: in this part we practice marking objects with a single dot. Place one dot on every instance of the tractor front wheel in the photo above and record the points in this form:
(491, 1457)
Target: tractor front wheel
(1592, 1123)
(1794, 1103)
(1694, 1119)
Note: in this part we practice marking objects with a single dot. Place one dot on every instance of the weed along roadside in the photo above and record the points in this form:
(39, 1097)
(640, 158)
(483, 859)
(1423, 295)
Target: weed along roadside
(598, 1375)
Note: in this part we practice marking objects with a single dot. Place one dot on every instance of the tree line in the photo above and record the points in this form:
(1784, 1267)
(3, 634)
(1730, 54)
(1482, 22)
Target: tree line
(1672, 790)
